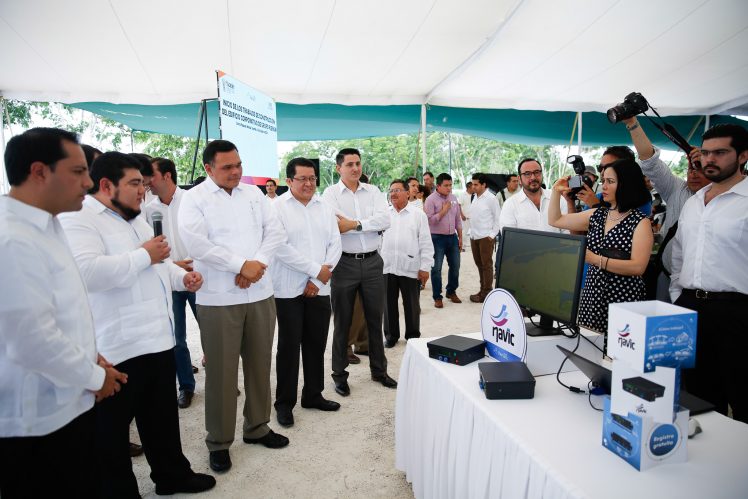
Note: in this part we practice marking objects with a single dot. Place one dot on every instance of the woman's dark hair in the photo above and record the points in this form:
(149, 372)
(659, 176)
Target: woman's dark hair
(631, 192)
(424, 189)
(91, 153)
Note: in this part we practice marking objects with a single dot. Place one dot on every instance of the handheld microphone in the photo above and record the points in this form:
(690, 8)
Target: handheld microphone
(158, 228)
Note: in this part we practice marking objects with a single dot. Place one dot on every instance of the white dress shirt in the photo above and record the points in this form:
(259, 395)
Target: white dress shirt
(406, 245)
(710, 248)
(519, 211)
(273, 199)
(365, 205)
(48, 370)
(313, 240)
(485, 213)
(416, 203)
(221, 231)
(170, 223)
(130, 298)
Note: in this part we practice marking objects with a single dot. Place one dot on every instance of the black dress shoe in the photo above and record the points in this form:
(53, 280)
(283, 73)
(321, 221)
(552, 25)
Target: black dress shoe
(389, 343)
(135, 450)
(272, 440)
(321, 403)
(185, 398)
(363, 353)
(197, 482)
(342, 388)
(386, 381)
(195, 370)
(284, 416)
(220, 460)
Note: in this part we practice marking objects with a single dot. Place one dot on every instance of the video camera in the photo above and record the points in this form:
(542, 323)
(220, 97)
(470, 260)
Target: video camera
(577, 181)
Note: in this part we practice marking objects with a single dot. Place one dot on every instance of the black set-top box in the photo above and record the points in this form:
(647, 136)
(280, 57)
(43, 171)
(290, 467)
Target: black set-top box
(643, 388)
(456, 349)
(506, 380)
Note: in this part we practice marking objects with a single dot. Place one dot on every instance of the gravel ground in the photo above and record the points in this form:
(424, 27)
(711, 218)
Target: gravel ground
(345, 454)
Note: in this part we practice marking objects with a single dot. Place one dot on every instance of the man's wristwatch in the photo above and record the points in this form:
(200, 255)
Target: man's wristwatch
(359, 228)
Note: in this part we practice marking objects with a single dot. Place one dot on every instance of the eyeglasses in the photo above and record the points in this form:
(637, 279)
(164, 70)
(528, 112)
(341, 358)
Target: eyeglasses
(716, 153)
(536, 173)
(395, 191)
(304, 180)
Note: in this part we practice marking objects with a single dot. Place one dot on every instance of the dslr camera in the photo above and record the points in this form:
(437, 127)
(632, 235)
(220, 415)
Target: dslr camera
(576, 181)
(633, 104)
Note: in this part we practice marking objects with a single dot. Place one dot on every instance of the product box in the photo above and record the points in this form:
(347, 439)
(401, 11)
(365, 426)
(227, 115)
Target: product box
(652, 333)
(653, 394)
(642, 442)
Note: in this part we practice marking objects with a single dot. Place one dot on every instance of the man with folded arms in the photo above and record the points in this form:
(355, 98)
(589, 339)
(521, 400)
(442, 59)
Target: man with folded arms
(408, 255)
(231, 231)
(362, 215)
(129, 278)
(301, 272)
(50, 372)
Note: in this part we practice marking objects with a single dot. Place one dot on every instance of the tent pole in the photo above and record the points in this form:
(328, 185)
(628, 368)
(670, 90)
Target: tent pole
(4, 187)
(707, 122)
(423, 136)
(579, 135)
(197, 141)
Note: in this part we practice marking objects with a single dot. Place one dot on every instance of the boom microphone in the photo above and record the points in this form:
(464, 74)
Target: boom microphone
(158, 228)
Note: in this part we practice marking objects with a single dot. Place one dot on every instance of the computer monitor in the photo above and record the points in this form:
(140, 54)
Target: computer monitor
(543, 271)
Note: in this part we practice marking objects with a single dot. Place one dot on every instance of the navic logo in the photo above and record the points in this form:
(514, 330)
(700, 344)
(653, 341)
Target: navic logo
(623, 338)
(501, 318)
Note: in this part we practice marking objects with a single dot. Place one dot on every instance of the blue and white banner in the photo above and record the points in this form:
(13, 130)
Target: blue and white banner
(503, 327)
(248, 120)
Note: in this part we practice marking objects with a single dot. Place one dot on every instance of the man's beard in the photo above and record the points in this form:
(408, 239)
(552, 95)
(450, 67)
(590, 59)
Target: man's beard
(530, 188)
(722, 173)
(126, 212)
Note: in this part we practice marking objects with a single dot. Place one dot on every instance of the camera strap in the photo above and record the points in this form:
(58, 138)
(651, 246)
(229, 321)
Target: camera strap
(669, 131)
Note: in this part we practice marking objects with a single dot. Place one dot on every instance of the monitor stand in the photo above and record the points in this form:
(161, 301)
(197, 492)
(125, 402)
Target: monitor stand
(544, 328)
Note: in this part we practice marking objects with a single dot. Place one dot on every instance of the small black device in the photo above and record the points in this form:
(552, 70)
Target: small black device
(456, 349)
(158, 228)
(577, 181)
(506, 380)
(621, 441)
(643, 388)
(623, 422)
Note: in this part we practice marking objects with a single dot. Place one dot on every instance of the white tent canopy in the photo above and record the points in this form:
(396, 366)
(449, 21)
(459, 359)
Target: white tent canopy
(686, 56)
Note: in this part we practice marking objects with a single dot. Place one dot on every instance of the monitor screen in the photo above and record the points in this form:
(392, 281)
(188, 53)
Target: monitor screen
(543, 270)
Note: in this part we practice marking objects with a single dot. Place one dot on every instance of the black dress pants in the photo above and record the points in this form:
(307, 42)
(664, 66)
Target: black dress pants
(721, 342)
(55, 465)
(150, 397)
(410, 288)
(302, 324)
(363, 276)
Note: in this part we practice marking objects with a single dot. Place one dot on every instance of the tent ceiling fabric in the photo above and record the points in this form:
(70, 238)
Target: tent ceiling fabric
(686, 56)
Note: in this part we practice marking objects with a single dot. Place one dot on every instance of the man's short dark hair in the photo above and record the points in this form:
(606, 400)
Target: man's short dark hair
(481, 178)
(291, 166)
(738, 136)
(401, 182)
(344, 152)
(271, 181)
(428, 173)
(620, 152)
(164, 166)
(36, 144)
(214, 147)
(442, 177)
(91, 152)
(111, 166)
(631, 192)
(526, 160)
(146, 168)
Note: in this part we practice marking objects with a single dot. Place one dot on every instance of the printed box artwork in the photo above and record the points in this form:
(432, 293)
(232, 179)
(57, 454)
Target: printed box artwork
(653, 394)
(642, 442)
(652, 333)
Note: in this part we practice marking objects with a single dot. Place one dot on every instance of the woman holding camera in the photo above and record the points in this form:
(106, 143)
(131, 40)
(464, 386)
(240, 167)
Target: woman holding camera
(619, 241)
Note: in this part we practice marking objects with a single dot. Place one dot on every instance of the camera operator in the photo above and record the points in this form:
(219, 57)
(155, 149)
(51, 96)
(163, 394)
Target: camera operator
(674, 192)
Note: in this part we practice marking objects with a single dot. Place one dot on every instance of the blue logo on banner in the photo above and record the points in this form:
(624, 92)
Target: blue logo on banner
(504, 331)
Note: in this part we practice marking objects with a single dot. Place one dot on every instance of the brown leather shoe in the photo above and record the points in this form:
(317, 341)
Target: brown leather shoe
(476, 298)
(353, 359)
(438, 303)
(454, 298)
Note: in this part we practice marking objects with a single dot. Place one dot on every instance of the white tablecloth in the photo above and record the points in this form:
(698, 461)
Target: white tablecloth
(452, 442)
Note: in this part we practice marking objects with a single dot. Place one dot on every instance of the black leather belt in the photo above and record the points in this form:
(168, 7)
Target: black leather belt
(360, 256)
(715, 295)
